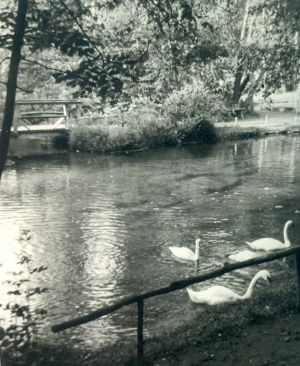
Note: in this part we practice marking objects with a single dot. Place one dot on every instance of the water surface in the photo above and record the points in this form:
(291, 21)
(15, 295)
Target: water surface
(103, 224)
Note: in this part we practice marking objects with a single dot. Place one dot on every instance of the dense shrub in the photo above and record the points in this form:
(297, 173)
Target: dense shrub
(193, 103)
(196, 130)
(141, 125)
(187, 115)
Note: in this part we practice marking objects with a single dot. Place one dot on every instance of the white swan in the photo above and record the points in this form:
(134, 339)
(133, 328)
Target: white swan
(219, 294)
(243, 255)
(186, 254)
(270, 243)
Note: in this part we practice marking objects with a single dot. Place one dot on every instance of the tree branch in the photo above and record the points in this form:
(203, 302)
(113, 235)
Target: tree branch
(41, 65)
(244, 83)
(5, 58)
(82, 30)
(18, 87)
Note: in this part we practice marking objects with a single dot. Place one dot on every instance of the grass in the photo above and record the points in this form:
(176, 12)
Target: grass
(104, 135)
(142, 126)
(225, 319)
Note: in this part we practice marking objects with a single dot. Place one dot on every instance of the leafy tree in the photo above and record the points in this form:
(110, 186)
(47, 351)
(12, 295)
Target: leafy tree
(154, 40)
(114, 48)
(267, 47)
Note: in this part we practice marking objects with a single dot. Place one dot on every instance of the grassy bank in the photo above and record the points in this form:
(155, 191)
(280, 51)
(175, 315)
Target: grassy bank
(259, 126)
(145, 126)
(142, 124)
(133, 131)
(166, 340)
(122, 132)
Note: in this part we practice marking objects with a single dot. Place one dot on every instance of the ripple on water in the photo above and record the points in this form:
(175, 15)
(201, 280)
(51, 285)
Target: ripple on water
(103, 225)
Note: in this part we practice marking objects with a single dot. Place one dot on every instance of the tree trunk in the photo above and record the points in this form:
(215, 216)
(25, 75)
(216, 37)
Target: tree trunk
(237, 86)
(237, 92)
(253, 88)
(12, 81)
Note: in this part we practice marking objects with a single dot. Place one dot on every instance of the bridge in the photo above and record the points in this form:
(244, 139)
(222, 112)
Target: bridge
(42, 126)
(38, 115)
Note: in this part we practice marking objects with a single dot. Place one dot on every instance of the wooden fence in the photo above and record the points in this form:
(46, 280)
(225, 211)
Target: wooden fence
(60, 116)
(281, 101)
(178, 285)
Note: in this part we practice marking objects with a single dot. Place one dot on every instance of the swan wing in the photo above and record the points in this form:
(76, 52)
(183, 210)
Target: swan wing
(183, 253)
(243, 255)
(213, 295)
(266, 244)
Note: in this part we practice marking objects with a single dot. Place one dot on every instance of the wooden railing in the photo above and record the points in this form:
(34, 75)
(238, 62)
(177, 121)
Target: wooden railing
(280, 101)
(60, 116)
(178, 285)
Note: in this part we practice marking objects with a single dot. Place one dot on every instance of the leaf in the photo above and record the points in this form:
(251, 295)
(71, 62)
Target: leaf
(16, 292)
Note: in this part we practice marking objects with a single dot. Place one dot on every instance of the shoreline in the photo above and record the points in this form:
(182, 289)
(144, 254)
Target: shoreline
(270, 123)
(44, 143)
(196, 340)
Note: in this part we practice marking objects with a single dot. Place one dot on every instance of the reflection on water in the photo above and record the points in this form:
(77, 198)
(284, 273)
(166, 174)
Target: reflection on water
(103, 224)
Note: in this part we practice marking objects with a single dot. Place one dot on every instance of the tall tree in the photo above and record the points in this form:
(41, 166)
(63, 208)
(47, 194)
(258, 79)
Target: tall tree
(152, 39)
(268, 48)
(8, 115)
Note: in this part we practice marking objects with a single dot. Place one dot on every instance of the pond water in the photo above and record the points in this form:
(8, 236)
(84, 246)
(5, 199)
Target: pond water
(103, 225)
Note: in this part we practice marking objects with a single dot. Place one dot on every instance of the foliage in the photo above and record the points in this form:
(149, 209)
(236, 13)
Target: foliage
(267, 55)
(141, 126)
(193, 110)
(194, 101)
(116, 46)
(186, 116)
(282, 51)
(113, 49)
(17, 338)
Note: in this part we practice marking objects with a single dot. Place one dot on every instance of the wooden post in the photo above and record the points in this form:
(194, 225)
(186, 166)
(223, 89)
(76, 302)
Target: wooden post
(140, 332)
(16, 120)
(297, 262)
(77, 112)
(266, 119)
(65, 113)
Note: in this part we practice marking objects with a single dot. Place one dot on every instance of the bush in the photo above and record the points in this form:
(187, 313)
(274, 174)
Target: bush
(197, 131)
(141, 125)
(187, 115)
(193, 103)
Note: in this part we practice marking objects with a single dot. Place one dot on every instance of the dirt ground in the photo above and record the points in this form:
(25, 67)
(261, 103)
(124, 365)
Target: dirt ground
(270, 342)
(275, 123)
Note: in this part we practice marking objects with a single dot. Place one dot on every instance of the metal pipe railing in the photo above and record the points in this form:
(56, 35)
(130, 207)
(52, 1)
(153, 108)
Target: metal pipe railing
(178, 285)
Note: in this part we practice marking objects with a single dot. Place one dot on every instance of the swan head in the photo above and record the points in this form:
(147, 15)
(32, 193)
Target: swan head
(289, 223)
(264, 274)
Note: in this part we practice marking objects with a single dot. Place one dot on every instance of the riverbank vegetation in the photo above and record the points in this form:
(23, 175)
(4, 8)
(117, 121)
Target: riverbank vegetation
(186, 115)
(114, 53)
(169, 338)
(152, 73)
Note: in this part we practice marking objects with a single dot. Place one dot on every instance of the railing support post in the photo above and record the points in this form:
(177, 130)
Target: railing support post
(140, 332)
(297, 262)
(65, 114)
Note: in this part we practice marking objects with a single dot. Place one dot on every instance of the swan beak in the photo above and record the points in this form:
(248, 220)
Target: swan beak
(269, 279)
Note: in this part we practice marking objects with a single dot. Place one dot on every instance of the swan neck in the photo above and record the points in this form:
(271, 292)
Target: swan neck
(197, 250)
(285, 235)
(249, 292)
